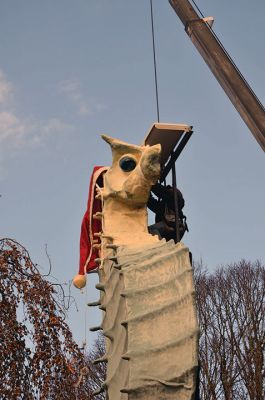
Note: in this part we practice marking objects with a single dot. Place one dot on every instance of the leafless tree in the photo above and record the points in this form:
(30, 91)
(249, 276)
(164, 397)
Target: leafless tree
(96, 370)
(231, 311)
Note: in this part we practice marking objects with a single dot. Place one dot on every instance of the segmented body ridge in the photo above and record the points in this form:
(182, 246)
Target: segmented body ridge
(149, 321)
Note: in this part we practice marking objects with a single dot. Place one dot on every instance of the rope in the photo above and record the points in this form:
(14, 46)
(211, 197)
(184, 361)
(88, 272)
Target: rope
(197, 9)
(154, 57)
(85, 319)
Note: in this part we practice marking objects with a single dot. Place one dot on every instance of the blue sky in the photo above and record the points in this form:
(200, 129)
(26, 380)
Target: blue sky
(71, 70)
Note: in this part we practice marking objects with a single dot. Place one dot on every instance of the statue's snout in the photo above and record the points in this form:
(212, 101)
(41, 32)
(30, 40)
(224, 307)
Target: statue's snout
(150, 163)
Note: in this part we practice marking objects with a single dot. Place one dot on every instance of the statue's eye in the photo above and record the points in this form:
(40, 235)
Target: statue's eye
(127, 164)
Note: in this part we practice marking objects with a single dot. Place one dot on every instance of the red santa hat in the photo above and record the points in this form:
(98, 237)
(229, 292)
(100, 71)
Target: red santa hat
(90, 226)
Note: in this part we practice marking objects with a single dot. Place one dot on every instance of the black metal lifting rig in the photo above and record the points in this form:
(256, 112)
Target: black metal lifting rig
(173, 138)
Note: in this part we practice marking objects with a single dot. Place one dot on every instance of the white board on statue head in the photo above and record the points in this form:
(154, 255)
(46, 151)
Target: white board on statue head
(168, 135)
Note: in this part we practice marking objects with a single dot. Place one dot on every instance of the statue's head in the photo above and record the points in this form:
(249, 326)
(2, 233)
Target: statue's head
(133, 171)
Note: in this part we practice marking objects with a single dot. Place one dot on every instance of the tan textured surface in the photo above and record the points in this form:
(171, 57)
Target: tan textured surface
(116, 335)
(147, 291)
(125, 194)
(154, 299)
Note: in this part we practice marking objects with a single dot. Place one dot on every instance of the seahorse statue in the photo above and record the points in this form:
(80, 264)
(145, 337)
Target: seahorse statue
(146, 286)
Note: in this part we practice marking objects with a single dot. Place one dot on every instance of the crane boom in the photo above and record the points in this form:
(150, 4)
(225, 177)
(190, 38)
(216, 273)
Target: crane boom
(223, 68)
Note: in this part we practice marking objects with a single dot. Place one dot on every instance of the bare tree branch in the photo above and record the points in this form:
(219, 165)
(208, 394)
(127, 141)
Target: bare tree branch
(231, 311)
